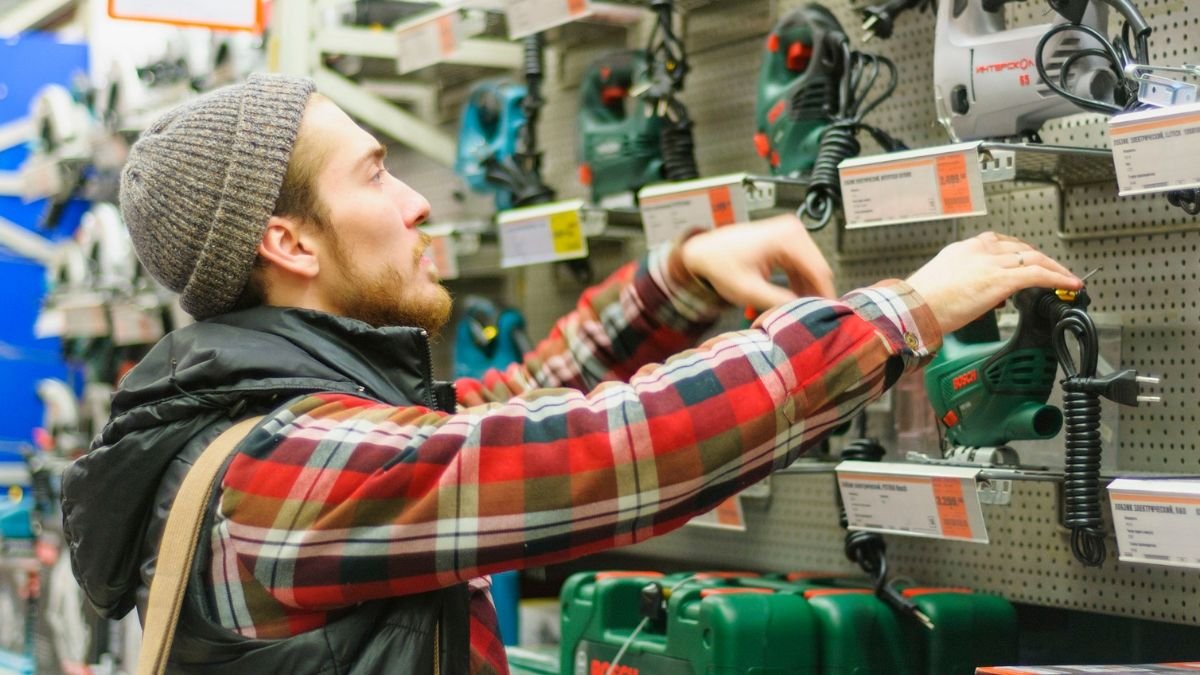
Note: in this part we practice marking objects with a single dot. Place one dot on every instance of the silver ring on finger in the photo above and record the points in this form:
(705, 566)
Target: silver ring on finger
(1020, 259)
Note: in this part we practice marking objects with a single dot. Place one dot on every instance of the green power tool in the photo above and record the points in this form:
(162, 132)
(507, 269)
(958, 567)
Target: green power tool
(797, 88)
(619, 139)
(987, 391)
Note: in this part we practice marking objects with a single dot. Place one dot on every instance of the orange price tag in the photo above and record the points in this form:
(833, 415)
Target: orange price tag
(576, 7)
(722, 206)
(953, 185)
(951, 508)
(446, 34)
(729, 513)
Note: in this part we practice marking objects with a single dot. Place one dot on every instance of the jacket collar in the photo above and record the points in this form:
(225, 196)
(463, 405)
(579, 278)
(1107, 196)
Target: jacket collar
(273, 347)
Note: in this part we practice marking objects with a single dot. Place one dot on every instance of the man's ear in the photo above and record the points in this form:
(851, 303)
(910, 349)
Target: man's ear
(290, 246)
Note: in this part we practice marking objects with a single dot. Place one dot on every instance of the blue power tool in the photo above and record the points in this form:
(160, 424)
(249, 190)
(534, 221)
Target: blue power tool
(487, 137)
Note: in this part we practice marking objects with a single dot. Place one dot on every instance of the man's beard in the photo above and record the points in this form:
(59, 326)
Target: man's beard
(381, 300)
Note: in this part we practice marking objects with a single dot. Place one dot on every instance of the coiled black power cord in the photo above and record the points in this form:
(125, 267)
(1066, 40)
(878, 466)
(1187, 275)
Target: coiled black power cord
(668, 69)
(1081, 410)
(868, 550)
(860, 72)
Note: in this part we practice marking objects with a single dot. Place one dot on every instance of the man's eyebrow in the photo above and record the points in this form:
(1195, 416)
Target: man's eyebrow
(375, 155)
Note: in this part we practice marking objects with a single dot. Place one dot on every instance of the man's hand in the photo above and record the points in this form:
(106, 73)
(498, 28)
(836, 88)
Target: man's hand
(970, 277)
(737, 261)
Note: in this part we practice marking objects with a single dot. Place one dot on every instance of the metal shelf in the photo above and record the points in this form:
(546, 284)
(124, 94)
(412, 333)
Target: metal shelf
(1040, 163)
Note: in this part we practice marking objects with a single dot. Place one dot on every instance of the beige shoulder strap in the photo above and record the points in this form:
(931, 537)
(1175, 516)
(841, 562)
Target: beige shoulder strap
(178, 548)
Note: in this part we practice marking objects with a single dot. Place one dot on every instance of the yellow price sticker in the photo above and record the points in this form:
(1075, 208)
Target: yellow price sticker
(567, 232)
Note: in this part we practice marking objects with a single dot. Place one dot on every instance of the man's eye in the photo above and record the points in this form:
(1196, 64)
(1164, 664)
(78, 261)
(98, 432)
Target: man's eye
(378, 177)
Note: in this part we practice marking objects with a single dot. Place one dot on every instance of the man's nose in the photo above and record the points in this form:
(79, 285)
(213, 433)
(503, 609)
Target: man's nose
(416, 207)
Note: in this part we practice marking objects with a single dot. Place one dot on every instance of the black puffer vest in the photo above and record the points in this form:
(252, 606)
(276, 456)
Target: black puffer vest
(193, 385)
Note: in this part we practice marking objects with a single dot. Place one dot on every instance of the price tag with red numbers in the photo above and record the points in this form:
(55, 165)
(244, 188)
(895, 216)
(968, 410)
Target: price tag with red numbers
(670, 209)
(913, 186)
(428, 39)
(526, 17)
(938, 502)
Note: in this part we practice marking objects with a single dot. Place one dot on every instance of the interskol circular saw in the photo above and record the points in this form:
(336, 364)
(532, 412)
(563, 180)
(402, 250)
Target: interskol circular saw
(797, 86)
(619, 138)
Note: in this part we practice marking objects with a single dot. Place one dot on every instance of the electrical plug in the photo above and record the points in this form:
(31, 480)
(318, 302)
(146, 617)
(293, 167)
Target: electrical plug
(879, 20)
(903, 605)
(1124, 387)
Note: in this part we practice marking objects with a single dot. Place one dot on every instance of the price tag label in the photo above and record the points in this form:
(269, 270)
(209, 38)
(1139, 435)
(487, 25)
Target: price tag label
(1157, 521)
(540, 234)
(84, 316)
(939, 502)
(244, 15)
(40, 177)
(727, 516)
(913, 186)
(136, 324)
(1155, 151)
(526, 17)
(427, 40)
(671, 209)
(443, 250)
(51, 322)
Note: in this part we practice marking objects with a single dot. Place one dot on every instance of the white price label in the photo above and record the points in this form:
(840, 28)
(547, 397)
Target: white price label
(939, 502)
(84, 316)
(1155, 151)
(540, 234)
(40, 177)
(428, 40)
(443, 251)
(666, 216)
(526, 17)
(215, 14)
(51, 322)
(727, 516)
(1157, 521)
(913, 186)
(134, 324)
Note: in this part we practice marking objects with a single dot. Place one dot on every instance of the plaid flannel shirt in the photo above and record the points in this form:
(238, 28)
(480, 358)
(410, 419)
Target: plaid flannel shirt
(606, 435)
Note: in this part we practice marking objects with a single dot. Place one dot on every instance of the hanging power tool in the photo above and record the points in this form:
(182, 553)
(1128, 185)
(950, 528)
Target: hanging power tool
(63, 148)
(796, 85)
(633, 128)
(987, 392)
(497, 148)
(619, 139)
(990, 81)
(814, 93)
(488, 337)
(487, 138)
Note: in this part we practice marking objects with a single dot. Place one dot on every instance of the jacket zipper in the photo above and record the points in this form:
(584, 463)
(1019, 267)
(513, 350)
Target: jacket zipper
(430, 397)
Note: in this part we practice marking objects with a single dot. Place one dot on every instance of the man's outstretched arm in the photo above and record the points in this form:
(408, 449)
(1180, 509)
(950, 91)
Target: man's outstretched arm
(337, 500)
(647, 311)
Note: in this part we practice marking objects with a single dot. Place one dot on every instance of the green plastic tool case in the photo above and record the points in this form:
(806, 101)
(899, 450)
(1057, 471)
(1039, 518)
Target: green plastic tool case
(740, 623)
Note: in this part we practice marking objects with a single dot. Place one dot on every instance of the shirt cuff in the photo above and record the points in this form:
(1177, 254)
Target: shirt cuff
(903, 318)
(690, 297)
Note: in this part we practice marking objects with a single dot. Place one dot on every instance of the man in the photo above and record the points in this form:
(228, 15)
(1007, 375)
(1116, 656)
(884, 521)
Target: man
(354, 527)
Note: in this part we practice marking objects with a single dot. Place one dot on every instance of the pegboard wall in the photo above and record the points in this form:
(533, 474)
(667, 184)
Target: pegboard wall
(1146, 249)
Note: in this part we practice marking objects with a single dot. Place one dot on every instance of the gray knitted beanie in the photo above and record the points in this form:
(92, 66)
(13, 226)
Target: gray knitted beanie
(201, 183)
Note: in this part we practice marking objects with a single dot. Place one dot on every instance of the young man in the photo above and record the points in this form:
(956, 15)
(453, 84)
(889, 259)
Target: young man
(354, 527)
